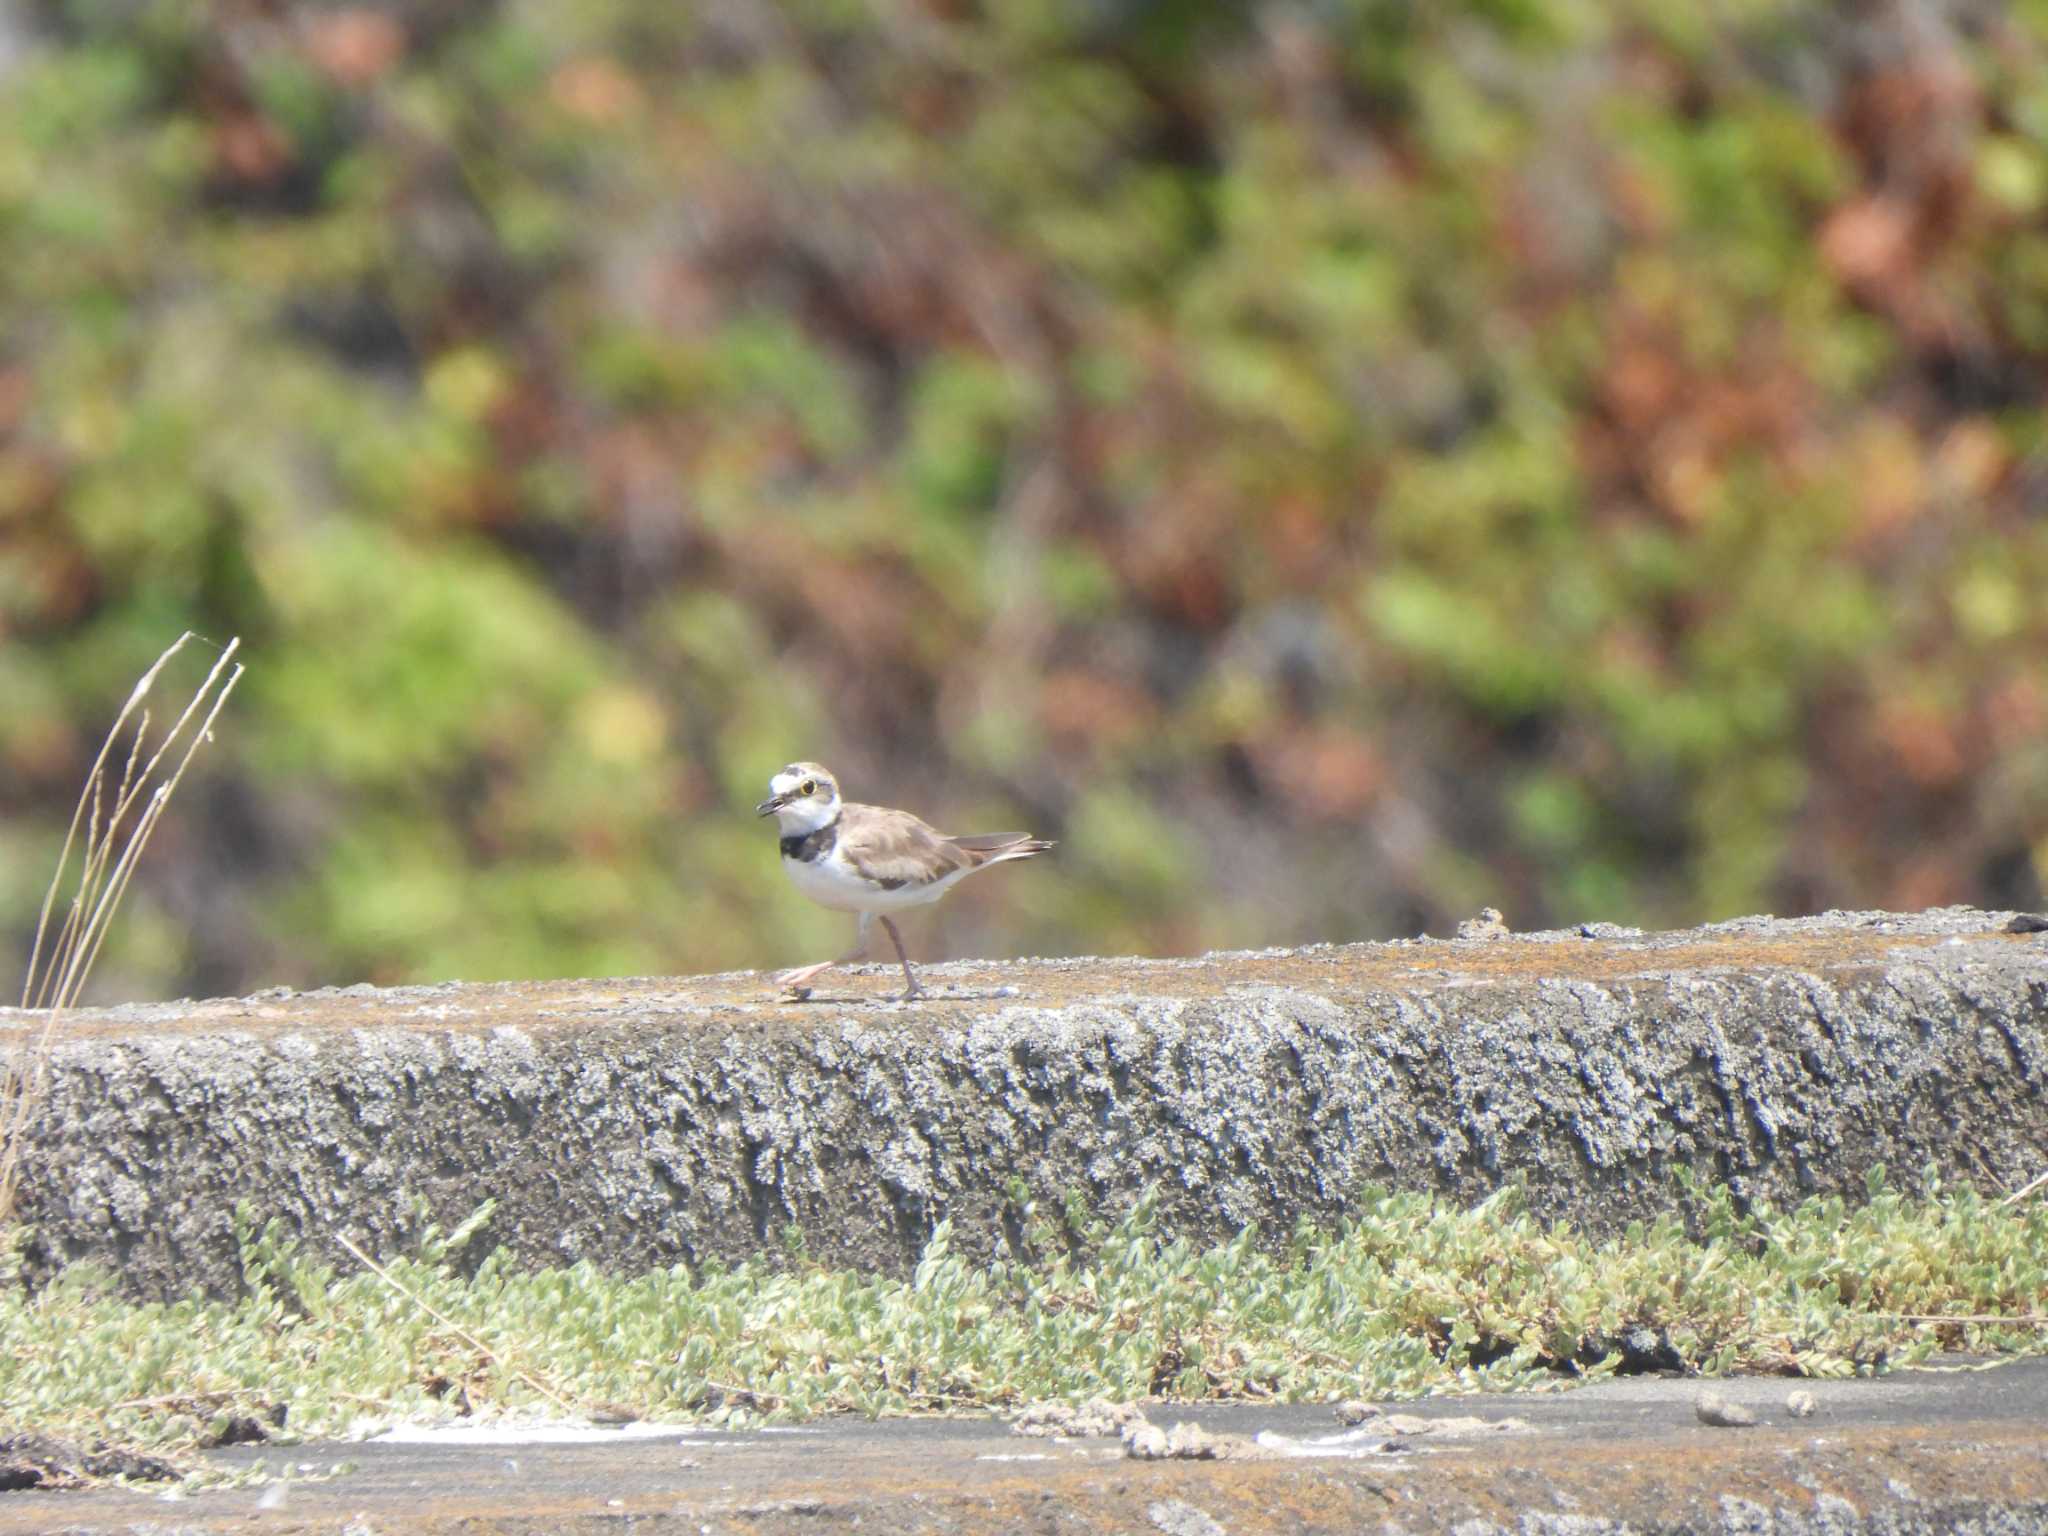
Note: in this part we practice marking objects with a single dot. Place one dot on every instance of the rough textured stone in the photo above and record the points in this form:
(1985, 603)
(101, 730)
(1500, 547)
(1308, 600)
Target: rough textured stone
(1178, 1518)
(638, 1123)
(33, 1460)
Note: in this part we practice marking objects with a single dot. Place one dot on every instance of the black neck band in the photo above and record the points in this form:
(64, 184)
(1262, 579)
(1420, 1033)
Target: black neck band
(812, 845)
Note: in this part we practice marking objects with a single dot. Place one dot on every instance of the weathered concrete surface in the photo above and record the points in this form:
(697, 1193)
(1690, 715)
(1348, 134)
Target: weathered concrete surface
(1920, 1453)
(638, 1123)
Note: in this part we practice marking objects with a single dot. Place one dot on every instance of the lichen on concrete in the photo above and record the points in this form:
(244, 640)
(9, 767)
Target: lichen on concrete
(647, 1122)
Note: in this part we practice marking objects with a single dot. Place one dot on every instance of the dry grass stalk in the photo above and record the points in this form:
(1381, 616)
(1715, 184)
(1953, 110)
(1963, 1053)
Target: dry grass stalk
(2023, 1191)
(475, 1343)
(108, 832)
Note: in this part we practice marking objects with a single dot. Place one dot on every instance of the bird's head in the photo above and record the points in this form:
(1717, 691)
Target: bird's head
(801, 798)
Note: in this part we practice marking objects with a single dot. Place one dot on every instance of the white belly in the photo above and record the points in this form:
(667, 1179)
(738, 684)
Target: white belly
(830, 882)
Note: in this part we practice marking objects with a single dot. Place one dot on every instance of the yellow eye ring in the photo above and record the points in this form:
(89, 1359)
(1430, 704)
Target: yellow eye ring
(808, 787)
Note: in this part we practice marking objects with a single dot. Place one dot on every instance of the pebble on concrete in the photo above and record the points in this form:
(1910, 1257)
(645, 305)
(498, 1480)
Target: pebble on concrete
(1489, 924)
(1096, 1417)
(1145, 1441)
(1712, 1408)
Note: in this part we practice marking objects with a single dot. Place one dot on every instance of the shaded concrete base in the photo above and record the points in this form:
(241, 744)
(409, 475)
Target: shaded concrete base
(649, 1122)
(1917, 1452)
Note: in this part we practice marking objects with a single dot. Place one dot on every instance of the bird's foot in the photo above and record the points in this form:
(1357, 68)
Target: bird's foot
(912, 992)
(793, 982)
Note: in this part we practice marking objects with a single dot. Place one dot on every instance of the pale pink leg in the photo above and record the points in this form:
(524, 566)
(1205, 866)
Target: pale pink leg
(794, 980)
(804, 973)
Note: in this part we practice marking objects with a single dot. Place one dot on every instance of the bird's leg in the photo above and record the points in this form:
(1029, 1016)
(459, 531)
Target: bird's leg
(794, 980)
(911, 989)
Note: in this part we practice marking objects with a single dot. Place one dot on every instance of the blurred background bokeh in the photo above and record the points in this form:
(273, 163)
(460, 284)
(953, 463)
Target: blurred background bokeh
(1332, 463)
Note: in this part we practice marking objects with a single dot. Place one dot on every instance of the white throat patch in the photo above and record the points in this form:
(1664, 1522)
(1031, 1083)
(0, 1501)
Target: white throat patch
(806, 813)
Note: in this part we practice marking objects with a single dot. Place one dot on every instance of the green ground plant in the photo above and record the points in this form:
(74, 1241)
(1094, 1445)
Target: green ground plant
(1411, 1296)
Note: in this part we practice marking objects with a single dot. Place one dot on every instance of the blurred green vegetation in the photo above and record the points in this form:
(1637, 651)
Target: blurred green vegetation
(1333, 464)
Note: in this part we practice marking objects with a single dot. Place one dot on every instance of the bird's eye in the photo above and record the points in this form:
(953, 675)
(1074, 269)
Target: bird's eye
(808, 787)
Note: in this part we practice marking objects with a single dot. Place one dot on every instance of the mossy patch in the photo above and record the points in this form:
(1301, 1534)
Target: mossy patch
(1413, 1296)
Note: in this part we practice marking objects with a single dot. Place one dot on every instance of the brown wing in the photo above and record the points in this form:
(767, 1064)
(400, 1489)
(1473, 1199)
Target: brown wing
(989, 842)
(895, 849)
(997, 847)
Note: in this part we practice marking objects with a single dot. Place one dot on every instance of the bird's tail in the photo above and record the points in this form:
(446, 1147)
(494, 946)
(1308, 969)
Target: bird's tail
(988, 848)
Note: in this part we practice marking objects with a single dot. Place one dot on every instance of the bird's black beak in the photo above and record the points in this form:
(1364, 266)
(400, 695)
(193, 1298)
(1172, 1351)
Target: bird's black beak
(771, 805)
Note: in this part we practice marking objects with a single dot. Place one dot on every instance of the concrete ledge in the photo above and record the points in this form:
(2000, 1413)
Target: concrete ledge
(639, 1123)
(1919, 1453)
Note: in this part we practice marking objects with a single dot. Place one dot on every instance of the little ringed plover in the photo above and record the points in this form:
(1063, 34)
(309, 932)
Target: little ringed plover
(871, 860)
